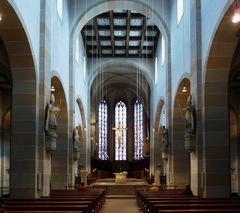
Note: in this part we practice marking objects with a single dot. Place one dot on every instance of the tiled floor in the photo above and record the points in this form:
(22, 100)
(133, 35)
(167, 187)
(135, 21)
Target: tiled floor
(120, 206)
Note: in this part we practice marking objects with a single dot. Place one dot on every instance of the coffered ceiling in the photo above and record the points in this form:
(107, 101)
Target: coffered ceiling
(120, 33)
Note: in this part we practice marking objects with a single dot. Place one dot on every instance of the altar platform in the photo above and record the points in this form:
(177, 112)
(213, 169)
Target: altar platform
(113, 188)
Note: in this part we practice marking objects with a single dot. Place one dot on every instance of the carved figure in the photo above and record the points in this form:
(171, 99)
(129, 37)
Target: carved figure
(164, 139)
(51, 118)
(189, 117)
(76, 141)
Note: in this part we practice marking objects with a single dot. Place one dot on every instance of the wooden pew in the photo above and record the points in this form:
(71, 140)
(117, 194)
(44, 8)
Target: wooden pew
(90, 205)
(44, 208)
(92, 192)
(189, 207)
(199, 211)
(150, 202)
(91, 201)
(43, 211)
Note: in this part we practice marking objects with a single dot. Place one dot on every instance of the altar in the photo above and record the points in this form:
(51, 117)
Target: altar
(120, 177)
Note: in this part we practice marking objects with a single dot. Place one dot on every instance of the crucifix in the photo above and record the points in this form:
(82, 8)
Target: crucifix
(119, 130)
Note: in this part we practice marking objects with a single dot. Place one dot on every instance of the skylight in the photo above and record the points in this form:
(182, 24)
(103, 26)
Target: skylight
(135, 33)
(134, 43)
(151, 33)
(120, 51)
(107, 51)
(104, 32)
(119, 22)
(119, 43)
(119, 33)
(103, 21)
(105, 43)
(133, 52)
(136, 22)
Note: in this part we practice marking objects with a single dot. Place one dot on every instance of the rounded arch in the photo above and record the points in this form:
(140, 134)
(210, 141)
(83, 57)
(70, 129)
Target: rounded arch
(82, 111)
(215, 101)
(229, 7)
(60, 99)
(22, 30)
(184, 78)
(179, 156)
(60, 158)
(55, 74)
(114, 65)
(158, 113)
(24, 114)
(107, 5)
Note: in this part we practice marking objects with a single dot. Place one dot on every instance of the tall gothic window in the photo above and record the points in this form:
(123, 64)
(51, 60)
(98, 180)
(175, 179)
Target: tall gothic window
(102, 130)
(120, 131)
(138, 130)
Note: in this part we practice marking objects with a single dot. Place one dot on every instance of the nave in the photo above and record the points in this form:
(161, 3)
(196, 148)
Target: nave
(148, 88)
(120, 205)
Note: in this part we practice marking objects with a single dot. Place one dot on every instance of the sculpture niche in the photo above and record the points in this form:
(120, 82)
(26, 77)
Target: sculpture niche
(51, 125)
(164, 143)
(76, 144)
(189, 126)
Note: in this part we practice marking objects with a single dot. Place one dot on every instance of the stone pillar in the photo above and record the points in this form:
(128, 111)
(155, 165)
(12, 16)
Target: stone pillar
(44, 169)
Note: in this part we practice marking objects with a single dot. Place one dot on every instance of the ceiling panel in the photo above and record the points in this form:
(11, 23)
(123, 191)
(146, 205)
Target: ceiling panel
(120, 33)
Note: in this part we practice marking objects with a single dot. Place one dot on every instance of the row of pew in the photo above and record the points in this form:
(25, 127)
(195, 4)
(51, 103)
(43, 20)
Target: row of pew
(166, 201)
(60, 201)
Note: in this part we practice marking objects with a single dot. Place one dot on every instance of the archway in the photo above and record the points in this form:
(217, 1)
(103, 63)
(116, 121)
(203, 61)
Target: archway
(216, 110)
(179, 158)
(82, 162)
(234, 129)
(114, 87)
(60, 157)
(156, 157)
(5, 119)
(18, 66)
(94, 9)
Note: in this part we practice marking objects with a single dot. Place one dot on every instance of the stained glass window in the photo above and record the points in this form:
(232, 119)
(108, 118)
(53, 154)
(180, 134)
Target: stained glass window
(102, 130)
(138, 130)
(120, 131)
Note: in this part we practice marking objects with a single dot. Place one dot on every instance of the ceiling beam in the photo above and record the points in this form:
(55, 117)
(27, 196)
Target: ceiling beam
(95, 28)
(144, 26)
(128, 30)
(121, 15)
(123, 56)
(155, 43)
(112, 31)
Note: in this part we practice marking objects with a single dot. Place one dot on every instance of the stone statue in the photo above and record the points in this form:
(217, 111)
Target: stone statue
(76, 139)
(51, 118)
(164, 139)
(189, 117)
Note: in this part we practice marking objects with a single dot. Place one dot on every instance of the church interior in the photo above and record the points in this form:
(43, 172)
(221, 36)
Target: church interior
(135, 93)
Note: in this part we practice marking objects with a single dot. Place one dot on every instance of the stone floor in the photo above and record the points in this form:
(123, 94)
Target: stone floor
(119, 205)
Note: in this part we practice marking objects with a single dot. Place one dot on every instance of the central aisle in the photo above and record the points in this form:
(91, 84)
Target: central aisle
(120, 206)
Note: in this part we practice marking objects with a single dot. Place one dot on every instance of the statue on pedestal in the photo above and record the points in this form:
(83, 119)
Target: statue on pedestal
(189, 117)
(51, 119)
(76, 144)
(76, 139)
(164, 139)
(51, 124)
(164, 143)
(189, 126)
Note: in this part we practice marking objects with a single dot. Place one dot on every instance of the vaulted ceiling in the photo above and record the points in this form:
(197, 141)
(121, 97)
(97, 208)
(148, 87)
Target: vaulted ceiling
(120, 33)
